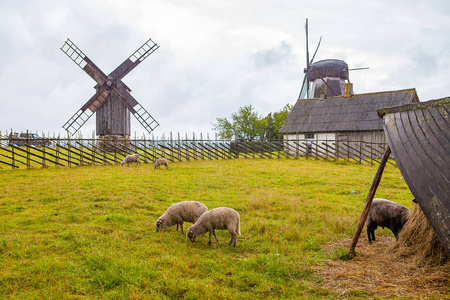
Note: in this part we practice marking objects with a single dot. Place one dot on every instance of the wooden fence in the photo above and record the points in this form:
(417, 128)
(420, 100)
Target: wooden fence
(68, 152)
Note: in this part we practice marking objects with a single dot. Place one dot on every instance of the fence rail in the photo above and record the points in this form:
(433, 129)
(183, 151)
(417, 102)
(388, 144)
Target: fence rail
(72, 152)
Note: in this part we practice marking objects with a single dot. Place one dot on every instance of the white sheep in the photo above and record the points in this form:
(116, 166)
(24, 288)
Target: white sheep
(129, 159)
(218, 218)
(385, 213)
(161, 161)
(177, 213)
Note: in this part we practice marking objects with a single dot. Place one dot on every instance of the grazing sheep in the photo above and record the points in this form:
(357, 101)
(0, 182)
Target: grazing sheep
(177, 213)
(218, 218)
(161, 161)
(129, 159)
(385, 213)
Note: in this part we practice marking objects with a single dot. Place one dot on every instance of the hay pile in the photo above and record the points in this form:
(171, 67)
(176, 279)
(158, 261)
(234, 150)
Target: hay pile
(419, 243)
(415, 267)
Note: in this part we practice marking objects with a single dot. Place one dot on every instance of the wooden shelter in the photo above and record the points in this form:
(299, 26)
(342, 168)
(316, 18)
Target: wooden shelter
(345, 118)
(419, 137)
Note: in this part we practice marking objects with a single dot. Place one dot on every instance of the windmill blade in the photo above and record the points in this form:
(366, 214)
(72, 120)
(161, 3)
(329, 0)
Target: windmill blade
(136, 58)
(307, 46)
(315, 52)
(146, 120)
(96, 100)
(306, 83)
(138, 111)
(303, 89)
(77, 120)
(85, 112)
(75, 54)
(123, 93)
(358, 69)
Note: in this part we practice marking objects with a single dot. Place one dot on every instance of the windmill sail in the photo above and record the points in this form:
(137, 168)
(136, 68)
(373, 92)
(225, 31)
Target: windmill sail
(138, 111)
(147, 121)
(86, 111)
(303, 91)
(306, 85)
(136, 58)
(75, 54)
(77, 120)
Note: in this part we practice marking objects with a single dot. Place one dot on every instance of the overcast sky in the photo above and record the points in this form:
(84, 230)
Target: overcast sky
(214, 56)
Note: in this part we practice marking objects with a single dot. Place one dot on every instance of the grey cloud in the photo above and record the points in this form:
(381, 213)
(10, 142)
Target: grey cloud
(273, 56)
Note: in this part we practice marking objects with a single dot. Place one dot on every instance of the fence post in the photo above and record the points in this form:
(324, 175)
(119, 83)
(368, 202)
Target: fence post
(57, 149)
(115, 149)
(68, 143)
(43, 154)
(317, 148)
(13, 155)
(28, 150)
(336, 153)
(178, 147)
(360, 151)
(371, 148)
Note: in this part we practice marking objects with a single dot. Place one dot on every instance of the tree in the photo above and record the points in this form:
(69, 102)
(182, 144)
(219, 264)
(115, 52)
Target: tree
(247, 124)
(280, 117)
(244, 124)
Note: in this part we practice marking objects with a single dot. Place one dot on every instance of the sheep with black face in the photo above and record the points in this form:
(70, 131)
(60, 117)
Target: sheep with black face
(385, 213)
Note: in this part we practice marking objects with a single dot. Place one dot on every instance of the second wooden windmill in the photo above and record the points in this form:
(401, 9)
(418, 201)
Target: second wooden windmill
(112, 101)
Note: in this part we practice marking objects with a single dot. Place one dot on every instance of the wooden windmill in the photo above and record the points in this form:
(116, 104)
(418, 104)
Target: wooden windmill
(112, 101)
(329, 77)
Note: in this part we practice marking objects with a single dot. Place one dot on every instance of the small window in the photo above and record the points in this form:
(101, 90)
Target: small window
(309, 135)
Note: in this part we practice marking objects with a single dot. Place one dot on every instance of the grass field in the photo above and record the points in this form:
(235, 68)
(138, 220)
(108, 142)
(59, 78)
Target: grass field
(89, 232)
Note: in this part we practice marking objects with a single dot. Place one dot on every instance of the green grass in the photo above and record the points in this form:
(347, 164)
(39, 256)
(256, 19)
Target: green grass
(89, 232)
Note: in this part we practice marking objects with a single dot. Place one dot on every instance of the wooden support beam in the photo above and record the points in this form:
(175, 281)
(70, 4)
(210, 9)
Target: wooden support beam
(354, 149)
(167, 155)
(212, 154)
(143, 148)
(370, 196)
(186, 152)
(224, 150)
(9, 164)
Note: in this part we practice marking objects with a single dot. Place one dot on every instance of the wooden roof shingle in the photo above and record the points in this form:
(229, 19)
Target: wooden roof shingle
(419, 137)
(355, 113)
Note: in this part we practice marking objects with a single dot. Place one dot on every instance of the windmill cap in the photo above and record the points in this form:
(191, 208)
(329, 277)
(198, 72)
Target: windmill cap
(327, 68)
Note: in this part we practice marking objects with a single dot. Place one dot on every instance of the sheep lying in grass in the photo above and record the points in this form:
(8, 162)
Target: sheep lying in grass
(129, 159)
(177, 213)
(218, 218)
(385, 213)
(161, 161)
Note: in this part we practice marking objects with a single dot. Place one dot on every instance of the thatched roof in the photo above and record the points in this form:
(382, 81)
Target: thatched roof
(356, 113)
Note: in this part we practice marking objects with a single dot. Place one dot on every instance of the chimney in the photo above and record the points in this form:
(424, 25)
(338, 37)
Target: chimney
(348, 89)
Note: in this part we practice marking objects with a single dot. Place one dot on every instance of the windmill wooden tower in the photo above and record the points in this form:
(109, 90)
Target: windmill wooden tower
(112, 101)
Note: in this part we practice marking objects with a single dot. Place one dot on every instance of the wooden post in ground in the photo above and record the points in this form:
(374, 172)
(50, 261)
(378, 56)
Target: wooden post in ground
(370, 196)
